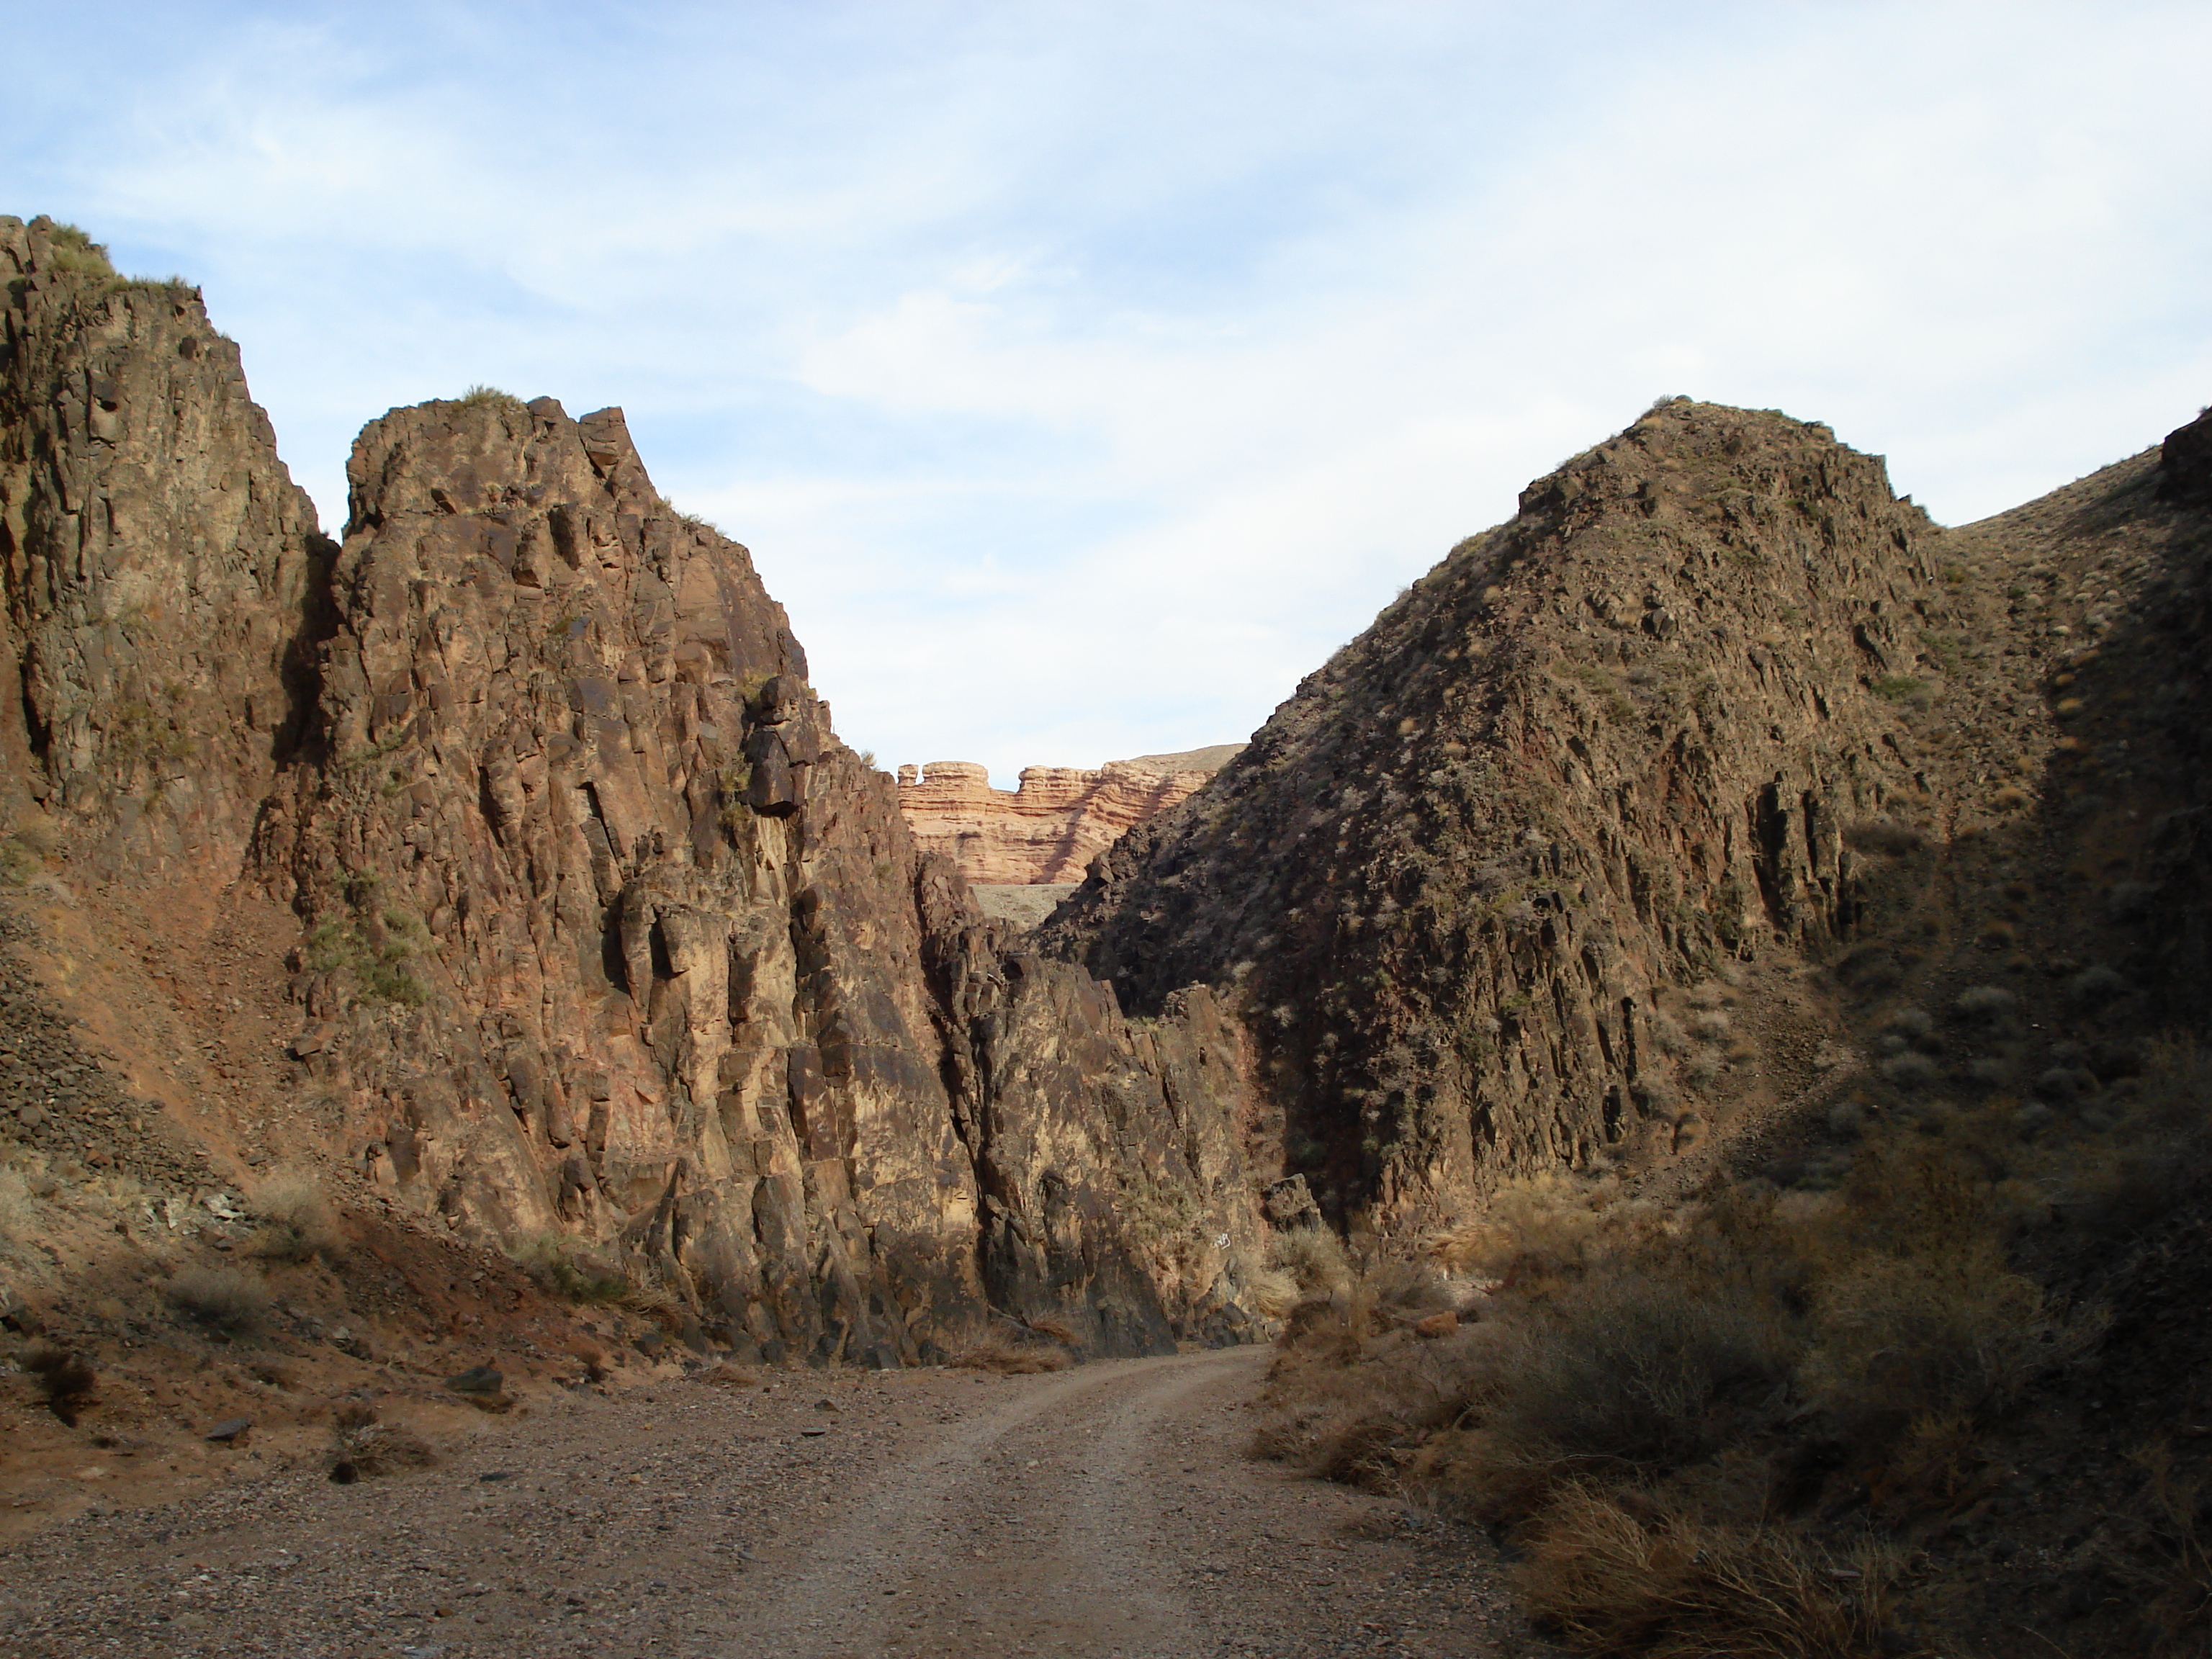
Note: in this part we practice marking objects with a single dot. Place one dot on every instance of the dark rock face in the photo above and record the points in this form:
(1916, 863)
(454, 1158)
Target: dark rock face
(1595, 752)
(2185, 472)
(619, 940)
(608, 938)
(158, 563)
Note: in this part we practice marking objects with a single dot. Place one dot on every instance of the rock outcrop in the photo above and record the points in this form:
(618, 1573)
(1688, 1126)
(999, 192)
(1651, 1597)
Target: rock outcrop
(1649, 726)
(608, 944)
(160, 565)
(1060, 820)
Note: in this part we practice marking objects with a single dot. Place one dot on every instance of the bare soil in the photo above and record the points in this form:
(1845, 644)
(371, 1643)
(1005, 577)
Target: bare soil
(1108, 1510)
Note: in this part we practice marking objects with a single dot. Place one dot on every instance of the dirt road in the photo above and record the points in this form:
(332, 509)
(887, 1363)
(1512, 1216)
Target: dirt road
(1108, 1510)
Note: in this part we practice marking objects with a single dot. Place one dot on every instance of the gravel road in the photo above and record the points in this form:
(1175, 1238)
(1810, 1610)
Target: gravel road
(1108, 1510)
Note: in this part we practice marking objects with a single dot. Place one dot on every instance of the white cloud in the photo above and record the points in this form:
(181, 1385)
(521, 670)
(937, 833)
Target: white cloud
(1082, 374)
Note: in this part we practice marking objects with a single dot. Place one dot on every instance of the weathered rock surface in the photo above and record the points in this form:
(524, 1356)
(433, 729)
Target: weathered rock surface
(159, 563)
(1595, 753)
(1061, 817)
(609, 942)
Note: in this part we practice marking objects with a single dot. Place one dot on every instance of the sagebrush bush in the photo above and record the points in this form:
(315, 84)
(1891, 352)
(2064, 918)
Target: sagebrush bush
(1313, 1257)
(297, 1222)
(1633, 1366)
(362, 1448)
(227, 1299)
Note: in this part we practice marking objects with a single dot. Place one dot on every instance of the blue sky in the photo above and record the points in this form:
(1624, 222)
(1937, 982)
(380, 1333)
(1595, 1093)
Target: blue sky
(1081, 374)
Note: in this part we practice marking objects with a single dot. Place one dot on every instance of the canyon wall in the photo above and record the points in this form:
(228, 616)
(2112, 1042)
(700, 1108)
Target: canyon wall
(605, 941)
(160, 566)
(1654, 726)
(1049, 829)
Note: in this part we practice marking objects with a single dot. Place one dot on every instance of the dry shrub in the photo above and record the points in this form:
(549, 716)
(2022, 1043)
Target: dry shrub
(1314, 1257)
(227, 1299)
(2157, 1157)
(1274, 1292)
(297, 1222)
(362, 1448)
(991, 1349)
(573, 1270)
(1359, 1418)
(1959, 1333)
(2165, 1556)
(1640, 1365)
(65, 1379)
(1052, 1328)
(1469, 1247)
(1673, 1588)
(1917, 1310)
(1537, 1224)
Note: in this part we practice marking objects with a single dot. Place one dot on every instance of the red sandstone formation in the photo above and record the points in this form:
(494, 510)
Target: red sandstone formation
(1059, 820)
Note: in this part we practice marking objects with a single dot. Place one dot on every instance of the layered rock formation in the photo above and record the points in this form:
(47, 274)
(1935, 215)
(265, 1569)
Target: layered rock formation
(1643, 729)
(1060, 818)
(606, 941)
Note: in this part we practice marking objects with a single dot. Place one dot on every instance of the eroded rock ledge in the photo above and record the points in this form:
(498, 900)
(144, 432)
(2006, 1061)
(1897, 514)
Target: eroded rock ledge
(1060, 820)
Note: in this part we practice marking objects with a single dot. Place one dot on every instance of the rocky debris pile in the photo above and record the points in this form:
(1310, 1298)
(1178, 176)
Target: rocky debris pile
(1061, 817)
(56, 1098)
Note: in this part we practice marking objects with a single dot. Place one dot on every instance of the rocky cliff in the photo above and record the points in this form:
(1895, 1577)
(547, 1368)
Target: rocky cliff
(1459, 884)
(606, 942)
(160, 567)
(1050, 827)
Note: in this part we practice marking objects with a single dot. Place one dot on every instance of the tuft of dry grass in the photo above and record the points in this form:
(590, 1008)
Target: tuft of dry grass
(991, 1349)
(1609, 1583)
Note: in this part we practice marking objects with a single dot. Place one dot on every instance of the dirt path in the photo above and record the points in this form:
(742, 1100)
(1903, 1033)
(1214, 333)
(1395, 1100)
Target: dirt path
(1106, 1510)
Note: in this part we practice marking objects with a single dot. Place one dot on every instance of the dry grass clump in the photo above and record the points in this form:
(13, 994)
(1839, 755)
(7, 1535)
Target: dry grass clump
(991, 1348)
(1274, 1292)
(229, 1300)
(1607, 1581)
(362, 1448)
(297, 1222)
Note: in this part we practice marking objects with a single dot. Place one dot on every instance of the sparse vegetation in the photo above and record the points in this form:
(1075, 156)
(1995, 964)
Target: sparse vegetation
(480, 396)
(374, 946)
(76, 252)
(231, 1301)
(297, 1223)
(571, 1269)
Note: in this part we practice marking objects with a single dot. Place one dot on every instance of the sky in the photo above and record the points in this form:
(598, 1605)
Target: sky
(1080, 375)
